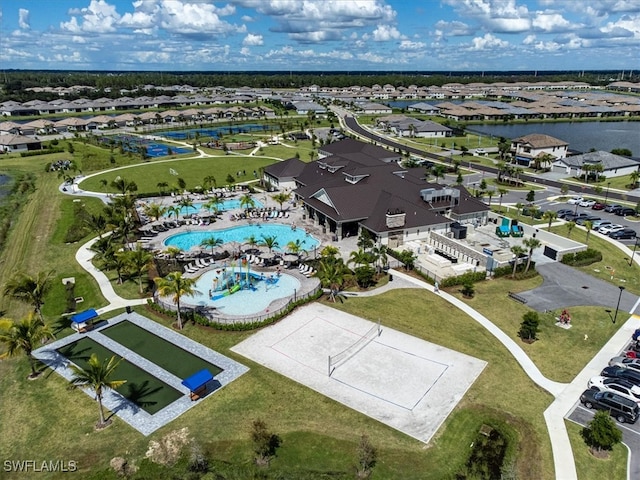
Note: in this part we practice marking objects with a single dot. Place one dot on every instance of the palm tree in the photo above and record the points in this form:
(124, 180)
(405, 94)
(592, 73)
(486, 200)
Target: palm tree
(162, 186)
(213, 204)
(247, 202)
(295, 246)
(531, 244)
(550, 216)
(360, 257)
(209, 181)
(138, 261)
(24, 336)
(173, 252)
(570, 227)
(331, 275)
(518, 251)
(589, 226)
(502, 192)
(490, 193)
(176, 285)
(211, 242)
(30, 289)
(634, 177)
(96, 223)
(439, 171)
(173, 210)
(155, 210)
(186, 203)
(97, 376)
(519, 208)
(281, 197)
(269, 241)
(124, 186)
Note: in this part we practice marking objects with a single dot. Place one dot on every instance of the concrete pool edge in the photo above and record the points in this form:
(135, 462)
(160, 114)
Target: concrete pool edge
(126, 410)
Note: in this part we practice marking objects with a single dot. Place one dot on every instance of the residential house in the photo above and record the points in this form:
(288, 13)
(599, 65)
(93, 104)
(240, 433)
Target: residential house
(598, 162)
(525, 149)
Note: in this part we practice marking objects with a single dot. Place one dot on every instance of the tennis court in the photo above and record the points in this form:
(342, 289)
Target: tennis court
(402, 381)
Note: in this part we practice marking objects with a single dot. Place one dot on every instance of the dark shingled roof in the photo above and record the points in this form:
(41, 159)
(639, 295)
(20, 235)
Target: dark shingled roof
(350, 146)
(286, 169)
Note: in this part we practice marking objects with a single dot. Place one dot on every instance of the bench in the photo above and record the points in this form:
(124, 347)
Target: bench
(517, 297)
(198, 393)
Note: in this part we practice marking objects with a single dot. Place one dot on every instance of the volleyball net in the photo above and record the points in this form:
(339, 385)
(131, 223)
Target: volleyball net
(338, 359)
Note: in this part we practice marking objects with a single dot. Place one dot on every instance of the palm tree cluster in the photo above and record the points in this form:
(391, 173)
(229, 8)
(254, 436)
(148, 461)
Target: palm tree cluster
(509, 174)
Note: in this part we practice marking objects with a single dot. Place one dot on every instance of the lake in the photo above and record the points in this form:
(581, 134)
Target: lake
(581, 136)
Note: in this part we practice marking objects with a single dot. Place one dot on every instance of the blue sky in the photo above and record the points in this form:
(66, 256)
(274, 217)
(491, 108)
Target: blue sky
(320, 35)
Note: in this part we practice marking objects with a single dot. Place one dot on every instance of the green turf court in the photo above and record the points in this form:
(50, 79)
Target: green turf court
(143, 389)
(163, 353)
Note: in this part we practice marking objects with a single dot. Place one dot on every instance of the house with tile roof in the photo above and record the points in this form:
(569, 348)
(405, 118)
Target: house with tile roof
(524, 150)
(611, 165)
(353, 190)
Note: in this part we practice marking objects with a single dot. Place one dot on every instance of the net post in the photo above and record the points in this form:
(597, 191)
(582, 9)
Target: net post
(329, 365)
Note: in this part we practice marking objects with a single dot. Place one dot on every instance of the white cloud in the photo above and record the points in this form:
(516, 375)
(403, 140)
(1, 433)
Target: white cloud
(23, 19)
(385, 33)
(409, 45)
(245, 51)
(551, 22)
(98, 17)
(253, 40)
(454, 28)
(488, 42)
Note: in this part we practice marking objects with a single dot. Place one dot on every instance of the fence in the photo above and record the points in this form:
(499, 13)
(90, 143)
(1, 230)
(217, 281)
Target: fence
(213, 315)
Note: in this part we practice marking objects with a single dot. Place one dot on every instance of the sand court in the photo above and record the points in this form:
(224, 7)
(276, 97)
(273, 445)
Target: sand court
(403, 381)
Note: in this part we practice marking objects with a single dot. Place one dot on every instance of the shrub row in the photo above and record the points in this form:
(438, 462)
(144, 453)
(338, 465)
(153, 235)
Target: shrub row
(465, 278)
(44, 151)
(581, 259)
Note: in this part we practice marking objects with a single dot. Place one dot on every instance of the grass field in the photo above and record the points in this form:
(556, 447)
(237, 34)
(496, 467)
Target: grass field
(163, 353)
(143, 389)
(319, 436)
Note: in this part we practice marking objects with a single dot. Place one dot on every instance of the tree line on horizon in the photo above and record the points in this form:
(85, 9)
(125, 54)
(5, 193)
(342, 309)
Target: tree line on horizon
(14, 82)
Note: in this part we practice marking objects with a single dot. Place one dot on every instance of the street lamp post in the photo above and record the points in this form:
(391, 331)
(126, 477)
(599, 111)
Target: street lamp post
(615, 316)
(633, 253)
(606, 195)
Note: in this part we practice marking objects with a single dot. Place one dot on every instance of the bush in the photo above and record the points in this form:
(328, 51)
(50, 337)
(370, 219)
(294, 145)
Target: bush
(529, 326)
(601, 433)
(581, 259)
(468, 277)
(467, 289)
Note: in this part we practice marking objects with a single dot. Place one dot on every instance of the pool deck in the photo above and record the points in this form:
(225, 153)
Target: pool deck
(125, 409)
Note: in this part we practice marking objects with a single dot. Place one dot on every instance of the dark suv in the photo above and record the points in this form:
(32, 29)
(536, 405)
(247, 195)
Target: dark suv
(619, 372)
(625, 212)
(622, 409)
(624, 233)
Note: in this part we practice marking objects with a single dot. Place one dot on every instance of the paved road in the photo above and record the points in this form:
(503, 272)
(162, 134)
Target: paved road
(565, 286)
(353, 125)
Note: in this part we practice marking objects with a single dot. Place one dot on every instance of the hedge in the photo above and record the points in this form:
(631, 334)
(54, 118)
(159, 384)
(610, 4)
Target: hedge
(582, 259)
(464, 278)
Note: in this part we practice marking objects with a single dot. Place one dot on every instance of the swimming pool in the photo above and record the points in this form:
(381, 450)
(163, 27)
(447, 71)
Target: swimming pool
(214, 291)
(283, 234)
(227, 204)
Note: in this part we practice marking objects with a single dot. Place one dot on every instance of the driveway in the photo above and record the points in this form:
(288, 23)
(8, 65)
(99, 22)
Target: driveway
(565, 286)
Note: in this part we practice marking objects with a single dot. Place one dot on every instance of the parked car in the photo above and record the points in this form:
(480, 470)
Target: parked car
(598, 206)
(564, 211)
(575, 200)
(625, 212)
(619, 372)
(612, 208)
(607, 229)
(622, 387)
(587, 203)
(623, 233)
(600, 223)
(572, 217)
(588, 218)
(625, 362)
(480, 151)
(622, 409)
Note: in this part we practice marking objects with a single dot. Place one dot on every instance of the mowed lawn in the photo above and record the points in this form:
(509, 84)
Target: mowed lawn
(191, 170)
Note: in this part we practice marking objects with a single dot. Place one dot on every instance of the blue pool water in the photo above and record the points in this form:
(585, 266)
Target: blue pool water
(283, 233)
(246, 301)
(228, 204)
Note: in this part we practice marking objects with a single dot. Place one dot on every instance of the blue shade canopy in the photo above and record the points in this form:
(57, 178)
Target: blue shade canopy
(198, 379)
(84, 316)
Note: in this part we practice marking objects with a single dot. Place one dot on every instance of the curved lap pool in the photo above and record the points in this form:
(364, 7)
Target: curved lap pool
(283, 234)
(250, 296)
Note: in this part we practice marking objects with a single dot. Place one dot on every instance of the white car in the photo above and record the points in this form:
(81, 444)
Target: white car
(480, 151)
(607, 229)
(575, 200)
(587, 203)
(622, 387)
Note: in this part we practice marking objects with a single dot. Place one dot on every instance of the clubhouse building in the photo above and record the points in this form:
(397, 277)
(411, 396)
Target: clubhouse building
(356, 185)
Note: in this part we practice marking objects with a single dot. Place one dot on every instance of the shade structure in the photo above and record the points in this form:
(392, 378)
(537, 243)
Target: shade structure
(85, 316)
(198, 380)
(267, 255)
(289, 257)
